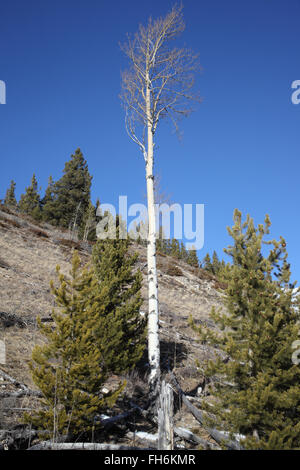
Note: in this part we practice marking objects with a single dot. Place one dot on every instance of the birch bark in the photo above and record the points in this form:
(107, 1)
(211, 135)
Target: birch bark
(153, 312)
(157, 85)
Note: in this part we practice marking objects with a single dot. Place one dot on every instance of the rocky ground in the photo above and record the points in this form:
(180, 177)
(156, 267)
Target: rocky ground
(29, 254)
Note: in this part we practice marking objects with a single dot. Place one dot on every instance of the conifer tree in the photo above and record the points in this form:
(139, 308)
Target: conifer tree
(114, 271)
(216, 264)
(257, 391)
(183, 252)
(47, 203)
(72, 192)
(70, 368)
(175, 248)
(30, 201)
(159, 243)
(139, 233)
(192, 258)
(207, 264)
(167, 246)
(10, 198)
(224, 271)
(97, 209)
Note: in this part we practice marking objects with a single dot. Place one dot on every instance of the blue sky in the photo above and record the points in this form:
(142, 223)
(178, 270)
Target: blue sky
(61, 63)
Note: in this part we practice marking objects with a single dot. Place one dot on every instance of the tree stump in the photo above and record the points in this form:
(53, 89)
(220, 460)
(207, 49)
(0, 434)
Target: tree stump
(165, 418)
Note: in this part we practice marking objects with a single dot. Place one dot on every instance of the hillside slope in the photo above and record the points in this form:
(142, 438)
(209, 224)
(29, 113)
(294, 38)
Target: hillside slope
(28, 258)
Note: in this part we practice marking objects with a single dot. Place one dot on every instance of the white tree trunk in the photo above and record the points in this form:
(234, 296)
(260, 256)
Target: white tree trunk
(153, 318)
(2, 352)
(165, 418)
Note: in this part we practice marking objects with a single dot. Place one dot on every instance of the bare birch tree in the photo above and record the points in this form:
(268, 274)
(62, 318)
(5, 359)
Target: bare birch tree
(158, 84)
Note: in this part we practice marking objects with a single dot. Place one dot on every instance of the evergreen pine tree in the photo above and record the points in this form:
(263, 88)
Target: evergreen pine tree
(70, 368)
(10, 198)
(192, 258)
(121, 306)
(72, 192)
(207, 264)
(159, 245)
(183, 252)
(258, 392)
(97, 206)
(47, 203)
(175, 248)
(224, 271)
(30, 201)
(216, 264)
(167, 246)
(160, 241)
(137, 235)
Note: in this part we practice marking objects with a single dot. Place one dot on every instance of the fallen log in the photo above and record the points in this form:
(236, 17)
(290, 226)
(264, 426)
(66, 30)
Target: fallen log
(48, 445)
(24, 389)
(10, 319)
(199, 400)
(145, 437)
(21, 393)
(181, 433)
(187, 435)
(218, 436)
(108, 422)
(11, 438)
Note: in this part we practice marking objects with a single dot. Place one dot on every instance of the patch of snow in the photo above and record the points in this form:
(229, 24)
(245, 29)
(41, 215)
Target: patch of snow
(104, 417)
(147, 436)
(238, 437)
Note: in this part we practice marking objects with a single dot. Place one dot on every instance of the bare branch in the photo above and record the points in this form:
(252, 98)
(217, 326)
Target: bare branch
(167, 72)
(131, 132)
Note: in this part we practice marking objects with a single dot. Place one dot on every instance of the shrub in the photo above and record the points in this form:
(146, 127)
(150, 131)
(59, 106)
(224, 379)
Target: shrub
(69, 243)
(38, 232)
(173, 270)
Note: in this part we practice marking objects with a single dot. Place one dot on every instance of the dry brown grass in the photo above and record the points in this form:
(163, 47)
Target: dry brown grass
(6, 209)
(8, 222)
(38, 232)
(30, 263)
(3, 224)
(173, 270)
(69, 243)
